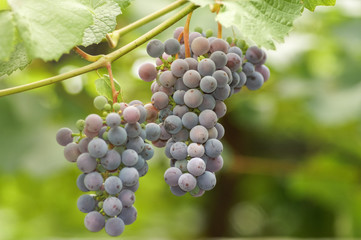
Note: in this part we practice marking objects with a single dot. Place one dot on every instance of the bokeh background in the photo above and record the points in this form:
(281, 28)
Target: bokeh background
(292, 149)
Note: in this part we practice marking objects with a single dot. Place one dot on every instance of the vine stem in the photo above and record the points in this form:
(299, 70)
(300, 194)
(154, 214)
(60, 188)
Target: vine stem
(114, 92)
(102, 62)
(86, 56)
(113, 37)
(186, 36)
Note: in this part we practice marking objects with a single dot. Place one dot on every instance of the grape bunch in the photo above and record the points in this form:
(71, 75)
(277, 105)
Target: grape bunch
(112, 153)
(189, 94)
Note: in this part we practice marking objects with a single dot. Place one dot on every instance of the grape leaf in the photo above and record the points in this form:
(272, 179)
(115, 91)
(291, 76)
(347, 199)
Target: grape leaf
(50, 28)
(18, 60)
(123, 4)
(104, 87)
(8, 35)
(261, 21)
(312, 4)
(104, 17)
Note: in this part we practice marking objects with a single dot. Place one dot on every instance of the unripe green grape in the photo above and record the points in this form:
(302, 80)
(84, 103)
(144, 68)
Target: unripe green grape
(209, 33)
(80, 124)
(99, 102)
(198, 29)
(107, 107)
(116, 107)
(229, 40)
(105, 136)
(100, 204)
(105, 113)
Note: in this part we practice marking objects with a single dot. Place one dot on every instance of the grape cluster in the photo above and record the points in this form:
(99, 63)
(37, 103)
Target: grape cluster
(189, 94)
(111, 152)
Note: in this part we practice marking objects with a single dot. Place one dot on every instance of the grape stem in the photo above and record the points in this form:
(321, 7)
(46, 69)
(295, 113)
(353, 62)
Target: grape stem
(186, 36)
(102, 62)
(86, 56)
(114, 92)
(113, 38)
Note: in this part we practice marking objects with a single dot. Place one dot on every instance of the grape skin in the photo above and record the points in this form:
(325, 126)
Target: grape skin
(208, 84)
(181, 164)
(171, 46)
(179, 150)
(198, 134)
(127, 197)
(64, 136)
(137, 144)
(206, 67)
(181, 136)
(97, 148)
(93, 123)
(129, 157)
(200, 46)
(254, 54)
(113, 119)
(86, 203)
(167, 79)
(196, 166)
(208, 118)
(155, 48)
(192, 63)
(147, 72)
(178, 97)
(94, 221)
(187, 182)
(208, 102)
(113, 185)
(207, 181)
(83, 144)
(220, 131)
(218, 45)
(179, 67)
(190, 120)
(177, 191)
(220, 109)
(191, 79)
(160, 100)
(219, 58)
(112, 206)
(173, 124)
(131, 114)
(128, 215)
(152, 131)
(129, 176)
(117, 136)
(93, 181)
(221, 77)
(172, 175)
(195, 150)
(213, 148)
(114, 226)
(193, 98)
(234, 61)
(254, 81)
(86, 163)
(180, 110)
(214, 164)
(71, 152)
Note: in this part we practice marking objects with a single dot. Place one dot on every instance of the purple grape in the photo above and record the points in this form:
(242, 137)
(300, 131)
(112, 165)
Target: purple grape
(179, 67)
(208, 84)
(206, 67)
(94, 221)
(128, 215)
(187, 182)
(208, 118)
(113, 185)
(195, 150)
(199, 134)
(172, 175)
(114, 226)
(160, 100)
(196, 166)
(86, 203)
(147, 72)
(254, 54)
(127, 197)
(71, 152)
(112, 206)
(200, 46)
(64, 136)
(254, 81)
(155, 48)
(193, 98)
(207, 181)
(93, 181)
(171, 46)
(93, 123)
(191, 79)
(219, 58)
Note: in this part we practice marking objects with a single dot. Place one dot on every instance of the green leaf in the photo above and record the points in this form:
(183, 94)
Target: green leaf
(104, 17)
(262, 21)
(50, 28)
(8, 35)
(18, 60)
(104, 87)
(123, 4)
(312, 4)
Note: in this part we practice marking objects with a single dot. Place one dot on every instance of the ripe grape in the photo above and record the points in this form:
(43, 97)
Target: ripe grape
(128, 215)
(93, 181)
(179, 67)
(112, 206)
(206, 67)
(86, 203)
(127, 197)
(129, 176)
(71, 152)
(193, 98)
(196, 166)
(64, 136)
(114, 226)
(172, 175)
(93, 123)
(254, 81)
(155, 48)
(94, 221)
(187, 182)
(171, 46)
(166, 79)
(200, 46)
(207, 181)
(219, 58)
(147, 72)
(254, 54)
(86, 163)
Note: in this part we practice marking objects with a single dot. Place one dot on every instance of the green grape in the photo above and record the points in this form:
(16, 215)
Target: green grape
(107, 107)
(198, 29)
(116, 107)
(80, 124)
(99, 102)
(209, 33)
(229, 40)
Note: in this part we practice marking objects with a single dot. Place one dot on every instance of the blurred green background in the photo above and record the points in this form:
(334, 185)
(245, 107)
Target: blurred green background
(292, 149)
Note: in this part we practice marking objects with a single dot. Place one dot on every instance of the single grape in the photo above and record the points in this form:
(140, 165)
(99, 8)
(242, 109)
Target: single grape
(164, 135)
(129, 176)
(111, 160)
(212, 133)
(86, 203)
(114, 226)
(97, 148)
(177, 32)
(80, 124)
(187, 182)
(155, 48)
(192, 36)
(131, 114)
(181, 164)
(254, 54)
(177, 191)
(229, 74)
(218, 45)
(80, 183)
(169, 91)
(113, 185)
(179, 67)
(193, 98)
(221, 77)
(112, 206)
(173, 124)
(196, 166)
(164, 113)
(195, 150)
(127, 197)
(235, 50)
(86, 163)
(129, 157)
(208, 84)
(133, 129)
(248, 68)
(93, 123)
(167, 79)
(137, 144)
(132, 188)
(128, 215)
(172, 175)
(219, 58)
(191, 78)
(179, 85)
(94, 221)
(160, 100)
(208, 102)
(179, 150)
(152, 131)
(207, 181)
(140, 163)
(148, 152)
(213, 148)
(236, 80)
(113, 119)
(254, 81)
(220, 131)
(242, 80)
(234, 62)
(117, 136)
(200, 46)
(64, 136)
(181, 136)
(199, 134)
(93, 181)
(220, 109)
(208, 118)
(197, 192)
(214, 164)
(99, 102)
(190, 120)
(71, 152)
(180, 110)
(192, 63)
(178, 97)
(206, 67)
(152, 112)
(222, 93)
(147, 72)
(171, 46)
